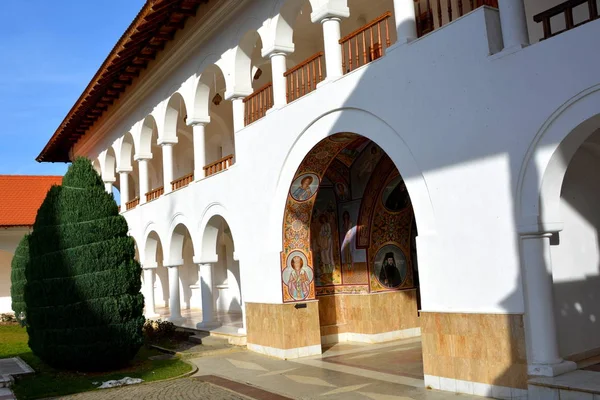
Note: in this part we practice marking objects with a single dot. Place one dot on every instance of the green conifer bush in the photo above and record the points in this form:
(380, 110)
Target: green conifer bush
(81, 283)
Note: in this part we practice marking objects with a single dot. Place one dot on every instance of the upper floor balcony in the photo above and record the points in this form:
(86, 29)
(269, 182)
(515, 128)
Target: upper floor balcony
(191, 135)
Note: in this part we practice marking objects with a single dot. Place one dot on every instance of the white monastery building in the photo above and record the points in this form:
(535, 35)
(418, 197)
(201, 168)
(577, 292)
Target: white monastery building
(303, 172)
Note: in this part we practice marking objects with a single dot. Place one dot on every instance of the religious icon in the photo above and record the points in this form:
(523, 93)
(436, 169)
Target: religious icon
(297, 276)
(342, 137)
(390, 266)
(304, 187)
(342, 191)
(349, 231)
(395, 196)
(326, 244)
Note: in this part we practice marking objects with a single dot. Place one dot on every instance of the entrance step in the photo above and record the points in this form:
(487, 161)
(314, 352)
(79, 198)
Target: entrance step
(11, 367)
(233, 338)
(584, 385)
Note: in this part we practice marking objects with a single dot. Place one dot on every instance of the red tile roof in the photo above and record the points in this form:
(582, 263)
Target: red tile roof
(21, 196)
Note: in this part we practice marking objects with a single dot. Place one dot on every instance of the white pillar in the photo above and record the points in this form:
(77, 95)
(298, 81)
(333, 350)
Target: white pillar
(406, 20)
(208, 300)
(278, 68)
(333, 49)
(108, 185)
(124, 178)
(238, 113)
(149, 293)
(544, 358)
(513, 23)
(144, 179)
(199, 132)
(167, 152)
(174, 298)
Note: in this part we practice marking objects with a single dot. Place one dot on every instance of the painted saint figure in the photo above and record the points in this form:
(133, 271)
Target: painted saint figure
(347, 243)
(326, 244)
(370, 163)
(304, 192)
(390, 275)
(299, 282)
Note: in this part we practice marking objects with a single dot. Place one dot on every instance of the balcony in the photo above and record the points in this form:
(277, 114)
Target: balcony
(155, 194)
(182, 182)
(566, 9)
(219, 165)
(304, 77)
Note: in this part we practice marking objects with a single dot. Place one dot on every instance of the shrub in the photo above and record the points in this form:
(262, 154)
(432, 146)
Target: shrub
(78, 278)
(17, 276)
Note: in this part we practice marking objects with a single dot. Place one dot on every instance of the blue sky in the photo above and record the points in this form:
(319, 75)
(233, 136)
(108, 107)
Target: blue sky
(49, 51)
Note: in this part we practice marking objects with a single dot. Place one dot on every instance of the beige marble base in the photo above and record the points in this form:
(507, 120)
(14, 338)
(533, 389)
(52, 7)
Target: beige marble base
(371, 338)
(368, 314)
(484, 348)
(283, 326)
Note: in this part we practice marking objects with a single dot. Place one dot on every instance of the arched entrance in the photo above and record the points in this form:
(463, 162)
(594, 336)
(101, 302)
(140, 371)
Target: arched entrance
(576, 255)
(349, 242)
(220, 278)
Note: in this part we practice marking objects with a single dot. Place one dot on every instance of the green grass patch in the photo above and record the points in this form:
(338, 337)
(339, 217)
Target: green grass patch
(49, 382)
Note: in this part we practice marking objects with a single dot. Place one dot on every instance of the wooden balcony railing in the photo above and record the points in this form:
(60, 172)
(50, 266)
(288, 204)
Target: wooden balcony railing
(366, 44)
(433, 14)
(218, 165)
(304, 77)
(183, 181)
(132, 204)
(155, 194)
(257, 104)
(565, 8)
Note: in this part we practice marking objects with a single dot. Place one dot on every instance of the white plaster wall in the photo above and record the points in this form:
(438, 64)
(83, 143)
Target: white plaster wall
(5, 301)
(576, 258)
(9, 240)
(457, 123)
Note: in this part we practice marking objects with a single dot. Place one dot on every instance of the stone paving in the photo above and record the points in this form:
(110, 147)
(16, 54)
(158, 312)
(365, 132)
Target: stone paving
(349, 371)
(183, 389)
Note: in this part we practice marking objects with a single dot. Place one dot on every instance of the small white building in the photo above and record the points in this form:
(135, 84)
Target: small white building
(311, 171)
(21, 197)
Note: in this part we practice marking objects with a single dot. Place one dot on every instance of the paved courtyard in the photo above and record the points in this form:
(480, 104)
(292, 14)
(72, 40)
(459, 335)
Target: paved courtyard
(388, 371)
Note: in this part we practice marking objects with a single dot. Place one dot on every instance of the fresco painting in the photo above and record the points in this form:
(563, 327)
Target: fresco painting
(325, 242)
(362, 169)
(348, 223)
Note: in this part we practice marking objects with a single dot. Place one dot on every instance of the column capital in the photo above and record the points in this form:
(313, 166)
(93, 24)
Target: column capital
(328, 12)
(142, 157)
(200, 261)
(173, 263)
(124, 170)
(237, 95)
(150, 265)
(110, 180)
(168, 141)
(276, 50)
(539, 228)
(198, 121)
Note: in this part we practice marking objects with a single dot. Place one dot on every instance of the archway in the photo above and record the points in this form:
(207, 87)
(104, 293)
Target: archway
(576, 255)
(156, 280)
(5, 299)
(186, 295)
(220, 277)
(349, 242)
(177, 132)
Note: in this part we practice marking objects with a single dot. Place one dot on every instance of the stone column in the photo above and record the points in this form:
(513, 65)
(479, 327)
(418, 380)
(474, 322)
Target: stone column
(513, 23)
(149, 273)
(144, 179)
(208, 300)
(544, 358)
(199, 138)
(278, 68)
(406, 20)
(124, 177)
(333, 49)
(174, 297)
(167, 153)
